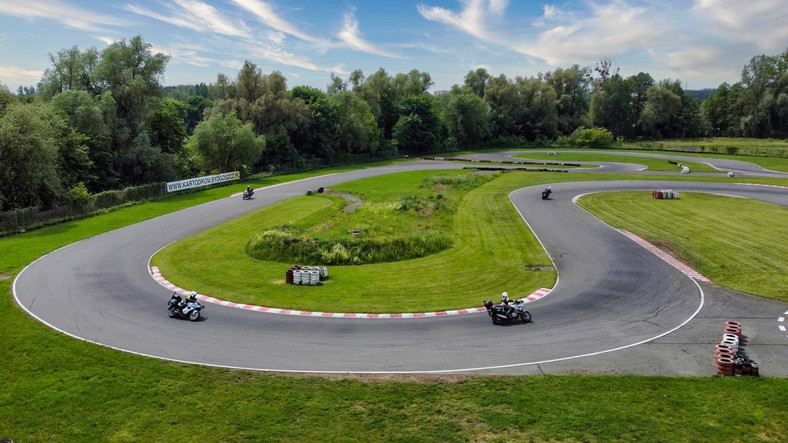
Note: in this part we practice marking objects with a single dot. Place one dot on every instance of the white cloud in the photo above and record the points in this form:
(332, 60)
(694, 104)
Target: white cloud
(351, 36)
(763, 23)
(277, 55)
(194, 15)
(265, 13)
(550, 10)
(471, 20)
(13, 77)
(607, 30)
(69, 15)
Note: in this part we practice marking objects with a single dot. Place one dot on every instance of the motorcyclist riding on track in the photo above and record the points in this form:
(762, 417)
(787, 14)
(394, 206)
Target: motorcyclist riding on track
(505, 303)
(190, 298)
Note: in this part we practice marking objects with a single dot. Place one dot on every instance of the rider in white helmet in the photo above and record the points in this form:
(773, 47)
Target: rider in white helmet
(505, 303)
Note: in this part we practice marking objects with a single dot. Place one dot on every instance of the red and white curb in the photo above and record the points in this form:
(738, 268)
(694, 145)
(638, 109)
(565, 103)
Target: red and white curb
(667, 257)
(658, 252)
(156, 274)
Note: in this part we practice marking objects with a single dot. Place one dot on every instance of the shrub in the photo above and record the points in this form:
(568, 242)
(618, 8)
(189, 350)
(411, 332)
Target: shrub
(594, 138)
(289, 244)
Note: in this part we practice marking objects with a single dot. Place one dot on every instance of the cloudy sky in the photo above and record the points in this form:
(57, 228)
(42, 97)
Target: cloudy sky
(703, 43)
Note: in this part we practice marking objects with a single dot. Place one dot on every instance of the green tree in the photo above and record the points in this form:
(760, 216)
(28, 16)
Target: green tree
(538, 118)
(131, 72)
(418, 129)
(467, 117)
(477, 81)
(167, 127)
(506, 106)
(412, 83)
(661, 109)
(71, 69)
(573, 97)
(29, 161)
(611, 106)
(93, 118)
(226, 144)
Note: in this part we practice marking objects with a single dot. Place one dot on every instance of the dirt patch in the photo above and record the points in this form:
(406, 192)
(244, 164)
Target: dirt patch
(542, 268)
(4, 277)
(670, 249)
(355, 202)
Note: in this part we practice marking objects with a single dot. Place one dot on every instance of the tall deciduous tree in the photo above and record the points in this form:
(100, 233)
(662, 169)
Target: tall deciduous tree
(29, 161)
(71, 69)
(477, 81)
(226, 144)
(573, 97)
(467, 117)
(418, 129)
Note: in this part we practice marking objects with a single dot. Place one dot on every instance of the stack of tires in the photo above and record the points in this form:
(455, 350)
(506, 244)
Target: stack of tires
(664, 194)
(729, 354)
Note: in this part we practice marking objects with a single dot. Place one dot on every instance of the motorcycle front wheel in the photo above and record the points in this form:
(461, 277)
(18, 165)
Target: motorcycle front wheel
(194, 315)
(525, 316)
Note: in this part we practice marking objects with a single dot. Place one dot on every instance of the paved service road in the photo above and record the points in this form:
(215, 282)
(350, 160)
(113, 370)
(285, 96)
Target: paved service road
(617, 308)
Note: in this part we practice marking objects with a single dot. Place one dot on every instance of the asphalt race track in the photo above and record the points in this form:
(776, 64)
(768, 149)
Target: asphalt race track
(616, 309)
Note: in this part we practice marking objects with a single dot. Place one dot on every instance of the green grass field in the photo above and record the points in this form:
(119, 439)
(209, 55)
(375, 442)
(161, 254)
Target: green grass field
(55, 388)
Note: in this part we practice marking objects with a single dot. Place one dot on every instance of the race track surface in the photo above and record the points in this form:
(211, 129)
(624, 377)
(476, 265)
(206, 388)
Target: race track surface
(617, 308)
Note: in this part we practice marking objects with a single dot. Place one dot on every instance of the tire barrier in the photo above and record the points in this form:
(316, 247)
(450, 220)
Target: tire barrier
(666, 194)
(729, 355)
(306, 275)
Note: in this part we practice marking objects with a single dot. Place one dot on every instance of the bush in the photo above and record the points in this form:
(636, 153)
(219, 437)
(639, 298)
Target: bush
(289, 244)
(594, 138)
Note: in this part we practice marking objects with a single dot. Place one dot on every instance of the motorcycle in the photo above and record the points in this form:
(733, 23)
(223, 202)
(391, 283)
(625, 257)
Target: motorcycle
(546, 194)
(499, 317)
(191, 309)
(248, 194)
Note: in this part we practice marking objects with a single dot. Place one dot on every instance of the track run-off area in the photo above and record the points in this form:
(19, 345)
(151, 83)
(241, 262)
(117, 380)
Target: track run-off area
(617, 307)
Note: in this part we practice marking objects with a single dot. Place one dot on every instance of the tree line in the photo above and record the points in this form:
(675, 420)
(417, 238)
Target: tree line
(100, 121)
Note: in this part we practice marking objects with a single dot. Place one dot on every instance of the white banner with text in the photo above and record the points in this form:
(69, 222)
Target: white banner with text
(202, 181)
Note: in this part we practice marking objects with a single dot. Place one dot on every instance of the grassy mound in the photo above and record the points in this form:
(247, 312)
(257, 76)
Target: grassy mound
(384, 227)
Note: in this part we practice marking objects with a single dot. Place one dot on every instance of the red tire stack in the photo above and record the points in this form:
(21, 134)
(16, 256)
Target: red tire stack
(723, 354)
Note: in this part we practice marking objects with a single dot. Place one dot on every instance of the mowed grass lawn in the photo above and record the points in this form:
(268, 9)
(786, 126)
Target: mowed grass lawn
(54, 388)
(738, 243)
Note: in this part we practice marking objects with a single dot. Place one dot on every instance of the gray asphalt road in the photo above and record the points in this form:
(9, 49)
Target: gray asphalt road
(617, 308)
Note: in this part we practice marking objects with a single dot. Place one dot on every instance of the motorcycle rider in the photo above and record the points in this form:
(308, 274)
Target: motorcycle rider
(548, 190)
(192, 297)
(507, 308)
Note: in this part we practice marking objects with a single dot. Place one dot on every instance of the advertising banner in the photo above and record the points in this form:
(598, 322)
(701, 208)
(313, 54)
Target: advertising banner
(202, 181)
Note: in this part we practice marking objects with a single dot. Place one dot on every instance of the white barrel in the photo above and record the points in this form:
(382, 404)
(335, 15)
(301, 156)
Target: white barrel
(314, 277)
(323, 271)
(297, 276)
(675, 195)
(685, 170)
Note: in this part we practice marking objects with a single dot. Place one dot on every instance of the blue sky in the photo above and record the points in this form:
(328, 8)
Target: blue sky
(703, 43)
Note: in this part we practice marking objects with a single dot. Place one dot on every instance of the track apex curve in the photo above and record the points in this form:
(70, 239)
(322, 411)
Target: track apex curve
(156, 274)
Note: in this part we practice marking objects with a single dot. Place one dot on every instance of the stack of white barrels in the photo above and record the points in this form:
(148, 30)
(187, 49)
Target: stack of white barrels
(306, 275)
